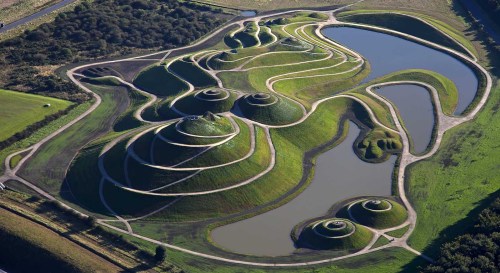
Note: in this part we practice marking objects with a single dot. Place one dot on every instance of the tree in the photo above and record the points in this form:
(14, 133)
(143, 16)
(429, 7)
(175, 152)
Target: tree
(161, 254)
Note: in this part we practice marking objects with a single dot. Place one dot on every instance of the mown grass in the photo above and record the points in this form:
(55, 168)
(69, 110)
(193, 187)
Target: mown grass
(59, 151)
(22, 8)
(380, 219)
(192, 73)
(381, 241)
(398, 233)
(43, 248)
(157, 80)
(281, 58)
(447, 188)
(43, 132)
(19, 110)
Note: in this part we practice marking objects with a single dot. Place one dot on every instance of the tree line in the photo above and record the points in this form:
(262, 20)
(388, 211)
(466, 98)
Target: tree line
(478, 251)
(98, 29)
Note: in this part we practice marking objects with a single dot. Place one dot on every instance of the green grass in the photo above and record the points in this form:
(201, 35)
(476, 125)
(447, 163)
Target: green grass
(284, 111)
(157, 80)
(357, 240)
(398, 233)
(44, 248)
(380, 219)
(381, 241)
(43, 132)
(447, 188)
(206, 127)
(281, 58)
(192, 73)
(195, 105)
(19, 110)
(60, 150)
(15, 160)
(378, 144)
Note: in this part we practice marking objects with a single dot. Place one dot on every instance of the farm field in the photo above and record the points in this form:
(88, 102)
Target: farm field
(38, 247)
(19, 110)
(277, 143)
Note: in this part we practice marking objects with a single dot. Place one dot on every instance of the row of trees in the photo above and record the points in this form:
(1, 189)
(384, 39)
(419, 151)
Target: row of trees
(478, 251)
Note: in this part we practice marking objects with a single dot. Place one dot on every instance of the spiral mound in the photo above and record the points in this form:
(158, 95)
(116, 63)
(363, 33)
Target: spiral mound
(215, 100)
(269, 109)
(334, 233)
(377, 213)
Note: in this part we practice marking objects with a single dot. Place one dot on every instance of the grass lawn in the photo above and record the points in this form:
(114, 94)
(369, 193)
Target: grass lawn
(19, 110)
(449, 189)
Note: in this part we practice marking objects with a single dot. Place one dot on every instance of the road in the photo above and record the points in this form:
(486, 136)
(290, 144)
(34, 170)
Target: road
(478, 14)
(35, 16)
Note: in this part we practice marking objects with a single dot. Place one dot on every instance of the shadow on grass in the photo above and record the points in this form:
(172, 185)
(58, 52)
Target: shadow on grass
(459, 228)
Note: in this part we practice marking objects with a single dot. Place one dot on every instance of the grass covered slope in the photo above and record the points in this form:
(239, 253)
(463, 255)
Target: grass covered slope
(269, 109)
(158, 81)
(19, 110)
(334, 233)
(378, 213)
(32, 247)
(214, 100)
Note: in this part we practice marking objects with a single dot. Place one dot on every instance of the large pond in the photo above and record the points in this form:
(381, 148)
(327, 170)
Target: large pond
(339, 174)
(387, 54)
(415, 107)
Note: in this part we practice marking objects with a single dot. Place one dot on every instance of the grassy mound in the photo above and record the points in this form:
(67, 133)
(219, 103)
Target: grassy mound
(269, 109)
(213, 100)
(207, 125)
(378, 213)
(334, 234)
(378, 145)
(190, 72)
(157, 80)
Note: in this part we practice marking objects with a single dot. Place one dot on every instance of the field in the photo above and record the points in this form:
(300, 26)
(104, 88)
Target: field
(43, 248)
(19, 110)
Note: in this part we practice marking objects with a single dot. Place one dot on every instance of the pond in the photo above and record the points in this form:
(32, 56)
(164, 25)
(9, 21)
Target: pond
(248, 13)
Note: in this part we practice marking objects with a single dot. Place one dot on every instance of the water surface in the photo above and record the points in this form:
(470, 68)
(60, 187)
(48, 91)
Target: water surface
(248, 13)
(387, 54)
(339, 174)
(415, 108)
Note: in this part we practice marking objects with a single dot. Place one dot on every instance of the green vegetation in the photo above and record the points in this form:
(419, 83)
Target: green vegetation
(381, 241)
(158, 81)
(378, 213)
(269, 109)
(43, 248)
(20, 110)
(378, 145)
(213, 100)
(334, 233)
(97, 29)
(476, 251)
(188, 71)
(207, 125)
(398, 233)
(448, 187)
